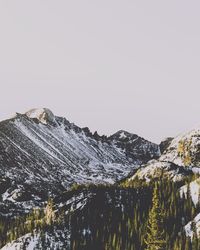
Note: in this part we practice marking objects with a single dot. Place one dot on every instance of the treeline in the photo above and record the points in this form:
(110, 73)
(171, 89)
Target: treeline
(117, 218)
(37, 221)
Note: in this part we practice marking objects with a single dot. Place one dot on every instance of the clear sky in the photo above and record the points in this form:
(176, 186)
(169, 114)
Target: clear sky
(108, 64)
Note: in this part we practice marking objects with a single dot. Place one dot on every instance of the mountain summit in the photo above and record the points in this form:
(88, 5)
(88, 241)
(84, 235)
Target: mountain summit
(43, 115)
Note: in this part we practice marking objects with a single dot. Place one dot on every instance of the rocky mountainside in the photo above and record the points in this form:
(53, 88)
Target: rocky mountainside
(156, 169)
(184, 150)
(180, 157)
(42, 154)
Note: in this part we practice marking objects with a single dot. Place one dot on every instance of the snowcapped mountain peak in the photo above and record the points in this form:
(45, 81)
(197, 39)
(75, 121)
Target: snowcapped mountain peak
(47, 153)
(123, 135)
(43, 115)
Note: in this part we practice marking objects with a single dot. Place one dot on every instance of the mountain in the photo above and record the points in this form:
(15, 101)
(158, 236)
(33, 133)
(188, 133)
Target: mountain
(135, 147)
(101, 187)
(43, 154)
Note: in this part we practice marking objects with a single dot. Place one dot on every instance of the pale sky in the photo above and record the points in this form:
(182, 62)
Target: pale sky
(108, 64)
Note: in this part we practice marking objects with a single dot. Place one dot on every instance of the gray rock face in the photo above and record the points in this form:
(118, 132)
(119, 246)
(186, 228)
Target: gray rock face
(165, 144)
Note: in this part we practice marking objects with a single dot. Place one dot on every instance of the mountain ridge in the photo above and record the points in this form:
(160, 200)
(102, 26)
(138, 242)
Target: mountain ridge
(47, 154)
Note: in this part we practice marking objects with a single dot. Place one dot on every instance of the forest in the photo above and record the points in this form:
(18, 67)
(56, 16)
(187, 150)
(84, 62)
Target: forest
(131, 215)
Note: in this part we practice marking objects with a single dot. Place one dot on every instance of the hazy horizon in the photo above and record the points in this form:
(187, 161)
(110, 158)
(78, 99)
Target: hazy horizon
(106, 65)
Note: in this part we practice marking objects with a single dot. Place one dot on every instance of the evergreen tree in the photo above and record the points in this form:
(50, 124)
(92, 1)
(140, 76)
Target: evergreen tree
(155, 238)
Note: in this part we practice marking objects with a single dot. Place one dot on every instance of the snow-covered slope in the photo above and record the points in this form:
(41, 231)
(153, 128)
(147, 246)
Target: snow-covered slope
(155, 169)
(27, 242)
(57, 239)
(47, 154)
(180, 156)
(184, 150)
(189, 228)
(194, 190)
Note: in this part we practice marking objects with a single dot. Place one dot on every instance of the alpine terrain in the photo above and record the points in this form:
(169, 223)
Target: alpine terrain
(64, 187)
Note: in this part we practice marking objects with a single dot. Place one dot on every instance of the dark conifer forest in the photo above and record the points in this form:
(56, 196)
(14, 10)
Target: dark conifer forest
(127, 216)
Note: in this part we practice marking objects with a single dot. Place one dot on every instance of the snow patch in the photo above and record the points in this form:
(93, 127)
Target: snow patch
(194, 191)
(44, 115)
(188, 227)
(28, 240)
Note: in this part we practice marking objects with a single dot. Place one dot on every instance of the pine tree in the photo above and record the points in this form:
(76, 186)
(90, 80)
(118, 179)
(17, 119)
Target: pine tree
(155, 238)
